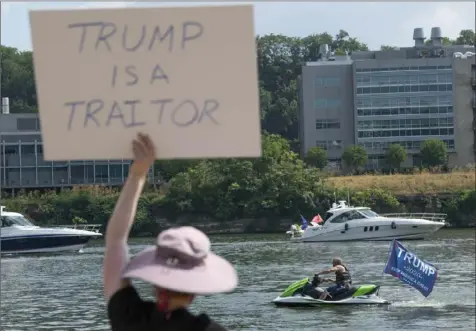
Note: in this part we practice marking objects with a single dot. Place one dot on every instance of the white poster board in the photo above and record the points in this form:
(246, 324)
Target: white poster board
(186, 76)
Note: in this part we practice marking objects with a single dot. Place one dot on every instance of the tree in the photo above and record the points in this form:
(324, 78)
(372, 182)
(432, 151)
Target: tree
(316, 157)
(388, 48)
(395, 155)
(355, 156)
(17, 79)
(433, 153)
(466, 37)
(276, 184)
(444, 41)
(167, 169)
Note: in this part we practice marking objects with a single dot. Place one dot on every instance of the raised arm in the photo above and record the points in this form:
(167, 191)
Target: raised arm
(116, 252)
(331, 270)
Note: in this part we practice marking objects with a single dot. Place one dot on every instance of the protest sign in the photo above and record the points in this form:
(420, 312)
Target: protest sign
(187, 76)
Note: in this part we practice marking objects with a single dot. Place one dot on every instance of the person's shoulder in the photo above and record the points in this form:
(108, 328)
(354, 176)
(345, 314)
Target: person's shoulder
(207, 324)
(126, 307)
(125, 295)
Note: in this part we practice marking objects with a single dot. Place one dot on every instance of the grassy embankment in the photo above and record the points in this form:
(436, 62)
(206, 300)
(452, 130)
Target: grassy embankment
(409, 185)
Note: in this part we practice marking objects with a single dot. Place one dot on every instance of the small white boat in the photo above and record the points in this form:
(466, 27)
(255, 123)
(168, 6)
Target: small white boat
(346, 223)
(18, 236)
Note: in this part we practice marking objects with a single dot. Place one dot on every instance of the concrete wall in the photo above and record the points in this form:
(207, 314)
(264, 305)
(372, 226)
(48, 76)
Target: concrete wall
(463, 113)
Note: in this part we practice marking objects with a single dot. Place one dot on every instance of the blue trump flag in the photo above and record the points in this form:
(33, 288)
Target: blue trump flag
(410, 269)
(304, 223)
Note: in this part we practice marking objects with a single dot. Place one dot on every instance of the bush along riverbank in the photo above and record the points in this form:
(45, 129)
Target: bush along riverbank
(156, 211)
(239, 195)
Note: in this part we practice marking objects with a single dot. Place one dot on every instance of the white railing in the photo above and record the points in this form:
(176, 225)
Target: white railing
(86, 227)
(435, 217)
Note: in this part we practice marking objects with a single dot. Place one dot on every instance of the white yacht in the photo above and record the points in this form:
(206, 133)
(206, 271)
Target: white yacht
(18, 235)
(346, 223)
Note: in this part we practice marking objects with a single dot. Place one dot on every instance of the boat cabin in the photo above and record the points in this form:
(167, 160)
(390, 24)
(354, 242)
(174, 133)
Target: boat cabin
(342, 213)
(8, 219)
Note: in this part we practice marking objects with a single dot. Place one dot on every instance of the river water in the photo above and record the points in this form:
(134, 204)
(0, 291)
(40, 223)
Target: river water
(64, 292)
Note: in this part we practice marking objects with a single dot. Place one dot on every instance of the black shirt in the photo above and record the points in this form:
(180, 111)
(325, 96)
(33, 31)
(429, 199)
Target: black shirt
(128, 312)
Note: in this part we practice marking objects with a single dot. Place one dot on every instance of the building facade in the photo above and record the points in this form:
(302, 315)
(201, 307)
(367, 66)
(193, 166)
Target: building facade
(22, 165)
(404, 96)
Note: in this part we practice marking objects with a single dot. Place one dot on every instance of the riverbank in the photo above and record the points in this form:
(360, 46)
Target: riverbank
(259, 211)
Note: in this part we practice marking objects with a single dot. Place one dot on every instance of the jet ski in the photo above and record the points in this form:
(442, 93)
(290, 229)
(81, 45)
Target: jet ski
(306, 293)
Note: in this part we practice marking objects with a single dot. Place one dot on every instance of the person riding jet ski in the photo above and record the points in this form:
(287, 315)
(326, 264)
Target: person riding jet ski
(343, 278)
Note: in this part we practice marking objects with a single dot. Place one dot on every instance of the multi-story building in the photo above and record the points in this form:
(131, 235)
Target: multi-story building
(378, 98)
(22, 165)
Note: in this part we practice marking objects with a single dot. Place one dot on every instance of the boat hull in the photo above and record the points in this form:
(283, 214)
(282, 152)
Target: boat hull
(381, 232)
(305, 301)
(43, 244)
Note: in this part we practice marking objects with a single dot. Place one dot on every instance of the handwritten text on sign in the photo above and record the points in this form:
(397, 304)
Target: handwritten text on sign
(181, 113)
(186, 76)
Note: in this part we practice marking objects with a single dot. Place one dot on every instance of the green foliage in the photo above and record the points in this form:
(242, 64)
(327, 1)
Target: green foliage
(376, 199)
(210, 192)
(167, 169)
(276, 184)
(395, 155)
(316, 157)
(433, 153)
(354, 156)
(17, 80)
(388, 48)
(461, 208)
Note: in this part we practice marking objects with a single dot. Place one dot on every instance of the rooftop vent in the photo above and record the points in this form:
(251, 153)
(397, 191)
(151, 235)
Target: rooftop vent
(323, 51)
(419, 36)
(436, 36)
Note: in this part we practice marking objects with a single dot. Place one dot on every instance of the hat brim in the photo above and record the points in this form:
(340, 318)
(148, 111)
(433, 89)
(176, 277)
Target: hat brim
(214, 275)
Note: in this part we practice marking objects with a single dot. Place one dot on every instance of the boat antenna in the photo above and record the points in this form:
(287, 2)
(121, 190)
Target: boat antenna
(335, 197)
(348, 197)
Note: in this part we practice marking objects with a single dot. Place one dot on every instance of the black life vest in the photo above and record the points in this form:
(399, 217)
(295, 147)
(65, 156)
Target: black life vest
(343, 277)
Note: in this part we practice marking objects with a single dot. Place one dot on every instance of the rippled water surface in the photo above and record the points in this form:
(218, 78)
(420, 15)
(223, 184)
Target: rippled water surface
(64, 292)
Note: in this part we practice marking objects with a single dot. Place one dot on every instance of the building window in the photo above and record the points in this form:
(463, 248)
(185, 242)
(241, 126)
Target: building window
(407, 133)
(403, 80)
(14, 138)
(327, 81)
(405, 111)
(327, 124)
(28, 124)
(414, 145)
(404, 105)
(405, 89)
(414, 68)
(435, 122)
(323, 103)
(329, 144)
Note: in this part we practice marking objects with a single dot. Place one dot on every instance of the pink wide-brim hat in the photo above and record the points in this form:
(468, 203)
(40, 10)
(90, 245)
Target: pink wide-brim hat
(182, 261)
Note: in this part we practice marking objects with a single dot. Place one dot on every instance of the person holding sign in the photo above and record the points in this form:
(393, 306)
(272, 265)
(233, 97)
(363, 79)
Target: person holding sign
(179, 266)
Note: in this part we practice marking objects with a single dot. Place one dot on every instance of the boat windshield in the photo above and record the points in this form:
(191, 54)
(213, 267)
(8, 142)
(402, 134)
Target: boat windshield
(15, 220)
(368, 213)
